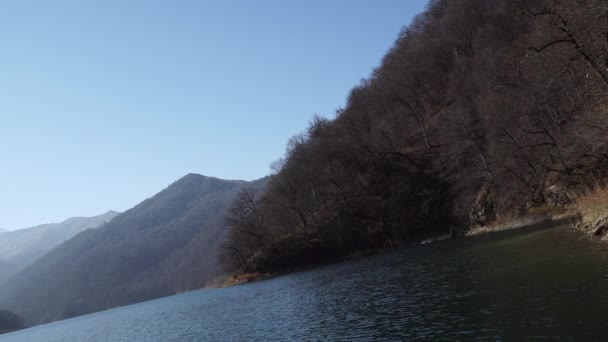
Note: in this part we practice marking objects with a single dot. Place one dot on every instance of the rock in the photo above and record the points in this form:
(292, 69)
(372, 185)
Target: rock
(484, 207)
(600, 226)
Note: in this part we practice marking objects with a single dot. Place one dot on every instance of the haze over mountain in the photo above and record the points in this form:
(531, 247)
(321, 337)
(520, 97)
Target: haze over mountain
(164, 245)
(20, 248)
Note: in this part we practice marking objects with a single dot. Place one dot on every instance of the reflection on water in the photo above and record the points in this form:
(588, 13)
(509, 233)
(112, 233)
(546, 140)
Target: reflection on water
(527, 284)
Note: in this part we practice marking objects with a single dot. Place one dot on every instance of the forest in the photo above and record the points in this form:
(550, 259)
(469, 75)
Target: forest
(10, 322)
(481, 111)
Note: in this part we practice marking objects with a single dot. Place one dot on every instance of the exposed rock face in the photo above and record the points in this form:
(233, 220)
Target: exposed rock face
(484, 207)
(598, 228)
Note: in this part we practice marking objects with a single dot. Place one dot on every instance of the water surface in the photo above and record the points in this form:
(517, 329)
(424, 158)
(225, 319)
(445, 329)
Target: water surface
(526, 284)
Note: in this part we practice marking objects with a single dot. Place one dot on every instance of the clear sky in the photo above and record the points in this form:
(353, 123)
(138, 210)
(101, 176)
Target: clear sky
(104, 103)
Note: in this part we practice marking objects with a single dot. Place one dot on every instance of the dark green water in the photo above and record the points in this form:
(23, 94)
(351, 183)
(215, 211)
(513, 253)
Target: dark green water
(525, 284)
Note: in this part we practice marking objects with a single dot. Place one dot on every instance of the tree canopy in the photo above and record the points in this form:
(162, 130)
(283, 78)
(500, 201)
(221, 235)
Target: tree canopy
(493, 104)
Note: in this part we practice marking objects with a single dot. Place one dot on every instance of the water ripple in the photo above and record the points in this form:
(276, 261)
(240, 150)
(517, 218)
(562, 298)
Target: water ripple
(536, 286)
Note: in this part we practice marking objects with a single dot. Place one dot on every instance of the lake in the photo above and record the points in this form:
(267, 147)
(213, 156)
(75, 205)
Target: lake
(533, 283)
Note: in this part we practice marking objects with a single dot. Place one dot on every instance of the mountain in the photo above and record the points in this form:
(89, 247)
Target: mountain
(164, 245)
(480, 114)
(20, 248)
(7, 269)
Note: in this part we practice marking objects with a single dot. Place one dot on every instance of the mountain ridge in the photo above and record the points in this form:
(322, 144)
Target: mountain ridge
(20, 248)
(166, 244)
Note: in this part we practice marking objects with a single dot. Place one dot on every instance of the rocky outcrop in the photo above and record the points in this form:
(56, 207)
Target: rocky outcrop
(597, 227)
(484, 207)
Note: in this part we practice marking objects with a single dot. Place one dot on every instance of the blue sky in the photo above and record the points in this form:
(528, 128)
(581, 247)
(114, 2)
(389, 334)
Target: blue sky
(105, 103)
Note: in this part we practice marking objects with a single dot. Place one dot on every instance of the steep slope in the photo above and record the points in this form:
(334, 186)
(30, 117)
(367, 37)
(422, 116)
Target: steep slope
(482, 112)
(20, 248)
(6, 270)
(166, 244)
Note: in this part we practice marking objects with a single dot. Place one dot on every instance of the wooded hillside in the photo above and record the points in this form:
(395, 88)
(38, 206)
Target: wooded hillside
(164, 245)
(10, 322)
(481, 110)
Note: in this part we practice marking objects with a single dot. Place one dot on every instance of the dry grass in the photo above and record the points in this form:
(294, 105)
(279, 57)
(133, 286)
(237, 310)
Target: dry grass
(504, 223)
(237, 279)
(547, 210)
(504, 220)
(593, 205)
(534, 216)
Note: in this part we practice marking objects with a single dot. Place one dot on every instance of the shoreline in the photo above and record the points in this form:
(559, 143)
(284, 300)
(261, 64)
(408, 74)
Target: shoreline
(523, 222)
(565, 217)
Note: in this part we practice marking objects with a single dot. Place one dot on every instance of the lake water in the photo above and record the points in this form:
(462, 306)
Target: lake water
(532, 283)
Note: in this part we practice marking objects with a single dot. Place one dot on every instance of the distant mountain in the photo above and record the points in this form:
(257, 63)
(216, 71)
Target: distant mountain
(20, 248)
(164, 245)
(7, 269)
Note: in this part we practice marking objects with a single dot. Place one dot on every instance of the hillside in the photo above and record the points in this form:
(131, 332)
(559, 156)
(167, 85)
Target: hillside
(7, 269)
(482, 112)
(20, 248)
(9, 322)
(164, 245)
